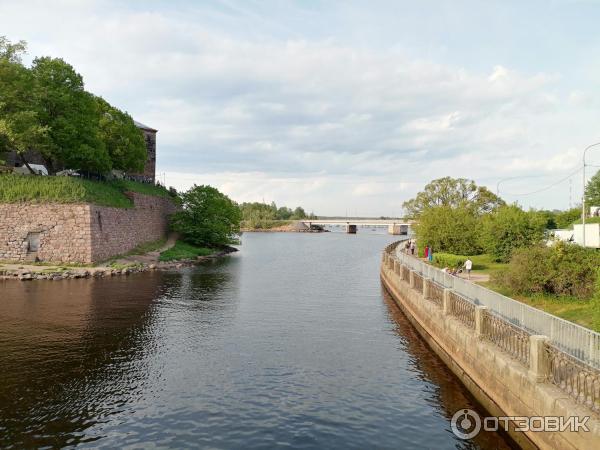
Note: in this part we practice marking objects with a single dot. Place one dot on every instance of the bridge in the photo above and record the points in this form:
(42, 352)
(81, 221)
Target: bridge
(394, 226)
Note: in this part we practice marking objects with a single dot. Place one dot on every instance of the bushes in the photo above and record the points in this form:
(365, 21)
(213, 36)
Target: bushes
(449, 260)
(509, 228)
(208, 219)
(559, 270)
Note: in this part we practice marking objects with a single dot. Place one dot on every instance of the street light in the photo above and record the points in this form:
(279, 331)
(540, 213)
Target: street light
(583, 194)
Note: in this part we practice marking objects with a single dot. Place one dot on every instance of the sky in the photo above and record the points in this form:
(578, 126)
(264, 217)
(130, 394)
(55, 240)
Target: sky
(342, 107)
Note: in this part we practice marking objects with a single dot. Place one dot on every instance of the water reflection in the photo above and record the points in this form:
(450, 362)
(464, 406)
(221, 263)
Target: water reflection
(446, 394)
(288, 343)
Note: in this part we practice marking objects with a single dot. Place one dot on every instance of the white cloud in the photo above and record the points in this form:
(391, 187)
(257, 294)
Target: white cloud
(304, 120)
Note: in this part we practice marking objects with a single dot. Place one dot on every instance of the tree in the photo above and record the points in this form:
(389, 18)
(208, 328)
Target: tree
(452, 192)
(208, 219)
(122, 138)
(449, 229)
(592, 190)
(509, 228)
(299, 213)
(564, 219)
(71, 116)
(20, 129)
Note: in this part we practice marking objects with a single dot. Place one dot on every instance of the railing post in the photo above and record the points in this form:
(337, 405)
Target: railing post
(480, 312)
(446, 301)
(411, 279)
(426, 282)
(539, 364)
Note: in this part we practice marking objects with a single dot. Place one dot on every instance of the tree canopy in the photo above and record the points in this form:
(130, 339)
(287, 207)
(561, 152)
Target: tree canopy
(592, 190)
(46, 108)
(509, 228)
(453, 193)
(208, 219)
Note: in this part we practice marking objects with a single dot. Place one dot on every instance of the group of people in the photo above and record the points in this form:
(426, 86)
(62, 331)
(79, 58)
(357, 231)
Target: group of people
(468, 266)
(410, 248)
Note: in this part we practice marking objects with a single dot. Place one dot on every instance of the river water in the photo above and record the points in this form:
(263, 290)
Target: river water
(290, 342)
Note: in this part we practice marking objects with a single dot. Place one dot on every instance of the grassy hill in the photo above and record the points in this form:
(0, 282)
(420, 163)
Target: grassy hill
(43, 189)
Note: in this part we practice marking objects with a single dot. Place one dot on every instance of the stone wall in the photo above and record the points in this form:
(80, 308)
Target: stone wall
(499, 382)
(115, 231)
(81, 233)
(64, 232)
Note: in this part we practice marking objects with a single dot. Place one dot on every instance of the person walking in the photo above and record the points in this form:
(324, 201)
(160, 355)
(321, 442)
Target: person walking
(430, 255)
(468, 267)
(412, 248)
(426, 251)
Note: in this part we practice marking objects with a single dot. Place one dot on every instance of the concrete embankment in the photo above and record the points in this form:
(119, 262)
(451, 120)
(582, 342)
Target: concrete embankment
(503, 384)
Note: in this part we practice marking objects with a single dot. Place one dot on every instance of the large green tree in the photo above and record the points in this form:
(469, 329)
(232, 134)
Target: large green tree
(452, 192)
(208, 219)
(509, 228)
(71, 115)
(20, 128)
(124, 141)
(449, 229)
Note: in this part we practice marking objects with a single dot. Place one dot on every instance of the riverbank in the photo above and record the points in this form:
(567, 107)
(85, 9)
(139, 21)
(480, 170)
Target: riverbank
(125, 265)
(291, 227)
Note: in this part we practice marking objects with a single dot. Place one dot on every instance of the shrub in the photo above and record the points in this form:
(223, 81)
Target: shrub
(449, 260)
(208, 219)
(559, 270)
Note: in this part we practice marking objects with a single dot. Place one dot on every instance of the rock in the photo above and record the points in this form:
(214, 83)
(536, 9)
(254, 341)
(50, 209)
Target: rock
(152, 266)
(25, 276)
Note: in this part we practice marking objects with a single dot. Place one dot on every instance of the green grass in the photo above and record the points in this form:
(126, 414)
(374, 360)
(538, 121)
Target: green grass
(483, 264)
(28, 188)
(147, 247)
(583, 312)
(182, 250)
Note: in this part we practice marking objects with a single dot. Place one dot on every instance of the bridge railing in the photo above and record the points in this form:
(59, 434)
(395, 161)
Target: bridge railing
(575, 340)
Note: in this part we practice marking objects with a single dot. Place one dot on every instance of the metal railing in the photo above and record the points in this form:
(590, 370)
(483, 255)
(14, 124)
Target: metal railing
(418, 282)
(462, 309)
(511, 339)
(436, 292)
(580, 342)
(405, 273)
(574, 377)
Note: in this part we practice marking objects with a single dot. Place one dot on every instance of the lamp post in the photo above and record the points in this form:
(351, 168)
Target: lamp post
(583, 194)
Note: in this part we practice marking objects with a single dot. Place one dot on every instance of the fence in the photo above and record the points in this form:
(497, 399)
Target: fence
(577, 341)
(462, 309)
(508, 337)
(418, 282)
(436, 292)
(575, 378)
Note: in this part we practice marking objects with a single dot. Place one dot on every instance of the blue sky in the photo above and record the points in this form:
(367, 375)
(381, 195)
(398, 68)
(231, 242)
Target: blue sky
(342, 106)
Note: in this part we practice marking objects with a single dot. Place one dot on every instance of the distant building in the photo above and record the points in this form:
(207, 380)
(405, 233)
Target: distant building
(148, 174)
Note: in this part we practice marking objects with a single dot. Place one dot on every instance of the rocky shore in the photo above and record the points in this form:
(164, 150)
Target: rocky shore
(24, 272)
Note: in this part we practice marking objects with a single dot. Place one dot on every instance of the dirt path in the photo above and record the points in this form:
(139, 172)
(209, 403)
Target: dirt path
(150, 257)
